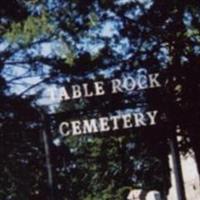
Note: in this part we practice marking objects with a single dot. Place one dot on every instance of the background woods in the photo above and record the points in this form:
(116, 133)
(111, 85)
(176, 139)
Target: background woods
(49, 43)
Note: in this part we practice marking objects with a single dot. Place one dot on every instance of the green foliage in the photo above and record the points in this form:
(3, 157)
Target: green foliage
(193, 33)
(93, 19)
(164, 36)
(30, 29)
(103, 167)
(110, 194)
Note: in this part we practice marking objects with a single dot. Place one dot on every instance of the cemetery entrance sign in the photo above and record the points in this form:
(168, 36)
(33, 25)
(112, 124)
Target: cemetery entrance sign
(109, 123)
(128, 87)
(139, 82)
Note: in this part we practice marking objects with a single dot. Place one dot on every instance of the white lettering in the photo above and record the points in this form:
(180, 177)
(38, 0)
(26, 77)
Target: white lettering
(116, 86)
(99, 88)
(152, 116)
(76, 91)
(62, 127)
(153, 82)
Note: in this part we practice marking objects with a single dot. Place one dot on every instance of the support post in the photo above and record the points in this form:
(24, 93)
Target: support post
(47, 155)
(177, 168)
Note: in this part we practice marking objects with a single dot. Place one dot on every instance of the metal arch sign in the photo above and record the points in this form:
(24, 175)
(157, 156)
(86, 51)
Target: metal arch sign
(110, 122)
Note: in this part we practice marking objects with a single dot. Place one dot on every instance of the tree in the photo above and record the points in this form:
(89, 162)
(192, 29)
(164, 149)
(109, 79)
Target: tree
(61, 42)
